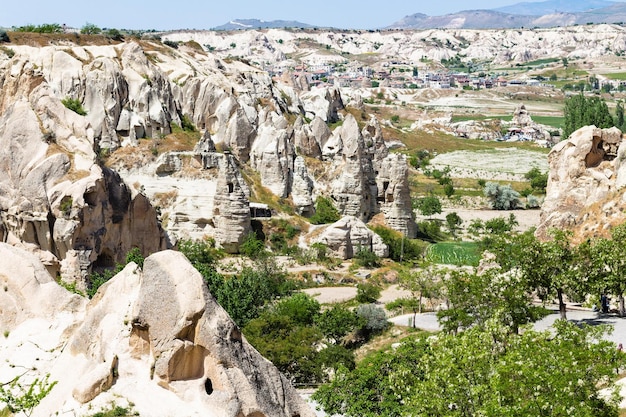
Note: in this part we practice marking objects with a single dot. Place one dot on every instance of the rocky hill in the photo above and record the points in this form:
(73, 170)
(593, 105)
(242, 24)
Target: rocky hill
(78, 212)
(283, 49)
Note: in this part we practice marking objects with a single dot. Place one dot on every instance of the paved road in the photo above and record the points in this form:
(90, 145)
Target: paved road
(428, 321)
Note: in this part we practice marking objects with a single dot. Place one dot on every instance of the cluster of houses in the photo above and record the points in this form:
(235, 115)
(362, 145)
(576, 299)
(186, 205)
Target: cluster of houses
(390, 75)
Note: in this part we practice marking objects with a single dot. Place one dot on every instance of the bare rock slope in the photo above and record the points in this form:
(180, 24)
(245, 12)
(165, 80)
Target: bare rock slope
(585, 183)
(155, 338)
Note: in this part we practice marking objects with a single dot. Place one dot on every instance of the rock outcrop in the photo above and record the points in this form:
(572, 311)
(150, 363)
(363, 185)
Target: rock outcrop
(154, 338)
(57, 200)
(585, 171)
(349, 235)
(231, 212)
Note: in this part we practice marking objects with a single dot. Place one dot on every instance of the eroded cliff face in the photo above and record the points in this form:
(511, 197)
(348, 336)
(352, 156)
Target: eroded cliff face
(155, 338)
(57, 200)
(79, 214)
(585, 184)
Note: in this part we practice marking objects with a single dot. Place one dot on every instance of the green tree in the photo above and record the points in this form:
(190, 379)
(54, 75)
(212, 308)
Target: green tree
(582, 111)
(476, 298)
(284, 333)
(325, 212)
(538, 180)
(337, 322)
(453, 221)
(90, 29)
(4, 37)
(486, 372)
(367, 293)
(366, 258)
(608, 265)
(244, 295)
(429, 206)
(619, 115)
(423, 282)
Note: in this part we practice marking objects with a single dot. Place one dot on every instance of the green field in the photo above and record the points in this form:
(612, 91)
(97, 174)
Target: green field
(616, 76)
(454, 253)
(554, 121)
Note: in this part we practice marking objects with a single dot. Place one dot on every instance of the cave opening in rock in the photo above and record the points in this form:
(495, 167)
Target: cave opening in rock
(208, 386)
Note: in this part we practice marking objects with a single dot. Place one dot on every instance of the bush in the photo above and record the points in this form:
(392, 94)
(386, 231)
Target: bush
(74, 105)
(171, 44)
(367, 293)
(325, 212)
(252, 247)
(90, 29)
(374, 318)
(4, 37)
(366, 258)
(400, 248)
(502, 197)
(114, 34)
(187, 124)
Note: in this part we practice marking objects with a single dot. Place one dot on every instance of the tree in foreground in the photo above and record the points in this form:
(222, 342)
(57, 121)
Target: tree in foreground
(582, 111)
(486, 372)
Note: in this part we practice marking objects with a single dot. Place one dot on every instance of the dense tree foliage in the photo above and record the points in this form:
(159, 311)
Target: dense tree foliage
(242, 295)
(293, 335)
(483, 371)
(584, 111)
(428, 206)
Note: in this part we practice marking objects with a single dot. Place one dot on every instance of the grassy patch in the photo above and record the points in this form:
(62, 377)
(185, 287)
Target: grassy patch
(454, 253)
(554, 121)
(616, 76)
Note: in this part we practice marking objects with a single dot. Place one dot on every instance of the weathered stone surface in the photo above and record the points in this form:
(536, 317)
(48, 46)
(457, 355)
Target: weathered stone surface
(231, 211)
(155, 338)
(302, 188)
(348, 235)
(354, 189)
(394, 194)
(583, 173)
(272, 155)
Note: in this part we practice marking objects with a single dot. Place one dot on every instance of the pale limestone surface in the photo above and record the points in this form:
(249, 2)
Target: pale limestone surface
(151, 337)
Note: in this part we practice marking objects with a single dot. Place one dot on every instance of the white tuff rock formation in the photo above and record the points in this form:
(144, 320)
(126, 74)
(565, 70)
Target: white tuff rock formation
(348, 235)
(155, 338)
(585, 174)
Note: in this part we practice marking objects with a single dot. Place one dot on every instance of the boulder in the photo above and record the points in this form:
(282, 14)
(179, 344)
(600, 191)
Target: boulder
(584, 172)
(349, 235)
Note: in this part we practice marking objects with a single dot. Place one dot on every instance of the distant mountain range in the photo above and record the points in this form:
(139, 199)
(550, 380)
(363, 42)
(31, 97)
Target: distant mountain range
(550, 13)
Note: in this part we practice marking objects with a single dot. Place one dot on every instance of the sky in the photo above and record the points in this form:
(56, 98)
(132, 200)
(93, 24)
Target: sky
(205, 14)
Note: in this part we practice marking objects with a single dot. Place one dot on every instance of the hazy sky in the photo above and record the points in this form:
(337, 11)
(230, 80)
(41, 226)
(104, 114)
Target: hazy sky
(205, 14)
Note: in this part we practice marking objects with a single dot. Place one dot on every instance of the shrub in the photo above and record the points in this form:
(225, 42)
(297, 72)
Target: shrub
(90, 29)
(114, 34)
(366, 258)
(74, 105)
(325, 212)
(4, 37)
(252, 247)
(502, 197)
(374, 318)
(171, 44)
(367, 293)
(187, 124)
(400, 248)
